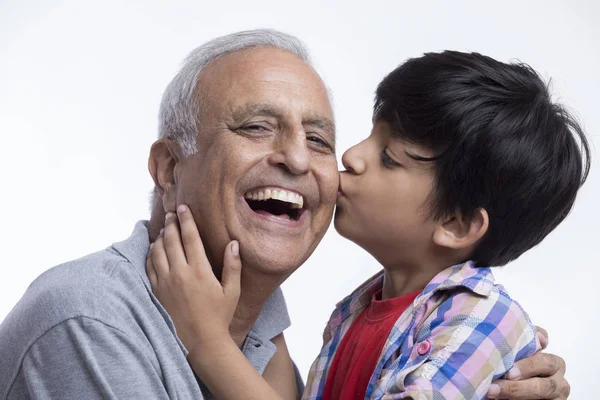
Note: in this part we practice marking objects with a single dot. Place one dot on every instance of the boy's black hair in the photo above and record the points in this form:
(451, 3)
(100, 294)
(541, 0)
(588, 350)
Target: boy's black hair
(500, 143)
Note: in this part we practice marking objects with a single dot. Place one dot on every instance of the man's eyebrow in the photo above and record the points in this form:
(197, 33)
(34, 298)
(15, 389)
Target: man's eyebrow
(249, 110)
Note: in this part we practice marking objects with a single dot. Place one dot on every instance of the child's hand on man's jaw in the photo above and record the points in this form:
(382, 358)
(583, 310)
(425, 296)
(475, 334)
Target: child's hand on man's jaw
(183, 280)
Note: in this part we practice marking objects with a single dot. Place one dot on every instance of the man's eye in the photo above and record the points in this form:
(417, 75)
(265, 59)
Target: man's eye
(387, 160)
(254, 128)
(319, 141)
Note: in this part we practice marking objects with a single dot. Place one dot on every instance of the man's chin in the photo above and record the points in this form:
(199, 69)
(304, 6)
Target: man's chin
(272, 259)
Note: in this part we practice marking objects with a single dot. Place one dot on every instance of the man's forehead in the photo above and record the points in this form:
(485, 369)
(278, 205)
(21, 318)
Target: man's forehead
(252, 70)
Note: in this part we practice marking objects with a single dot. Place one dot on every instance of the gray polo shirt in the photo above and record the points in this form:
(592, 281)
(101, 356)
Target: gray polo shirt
(92, 329)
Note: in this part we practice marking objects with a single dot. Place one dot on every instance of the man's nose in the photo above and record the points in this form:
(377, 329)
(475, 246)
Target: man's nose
(292, 153)
(352, 159)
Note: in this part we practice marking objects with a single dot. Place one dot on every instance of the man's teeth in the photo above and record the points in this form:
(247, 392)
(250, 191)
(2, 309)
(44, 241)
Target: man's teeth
(277, 194)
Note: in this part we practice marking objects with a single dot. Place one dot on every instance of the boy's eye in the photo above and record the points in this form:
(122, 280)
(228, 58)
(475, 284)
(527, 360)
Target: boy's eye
(387, 160)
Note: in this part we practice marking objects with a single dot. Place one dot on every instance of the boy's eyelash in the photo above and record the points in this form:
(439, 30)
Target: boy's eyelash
(387, 160)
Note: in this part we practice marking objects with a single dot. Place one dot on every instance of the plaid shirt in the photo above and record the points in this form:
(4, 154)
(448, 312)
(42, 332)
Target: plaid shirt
(461, 333)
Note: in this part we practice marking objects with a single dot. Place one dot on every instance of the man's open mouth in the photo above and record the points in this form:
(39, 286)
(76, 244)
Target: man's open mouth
(275, 201)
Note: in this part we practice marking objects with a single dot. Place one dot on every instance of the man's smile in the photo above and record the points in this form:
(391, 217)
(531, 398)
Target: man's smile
(277, 204)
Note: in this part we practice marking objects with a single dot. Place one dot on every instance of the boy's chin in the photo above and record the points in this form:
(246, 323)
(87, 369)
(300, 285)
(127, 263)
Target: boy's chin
(344, 229)
(353, 232)
(340, 225)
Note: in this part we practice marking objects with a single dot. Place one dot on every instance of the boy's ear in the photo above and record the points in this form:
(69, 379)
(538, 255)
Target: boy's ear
(460, 233)
(163, 165)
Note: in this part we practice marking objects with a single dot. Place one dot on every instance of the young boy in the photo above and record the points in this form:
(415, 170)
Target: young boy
(469, 165)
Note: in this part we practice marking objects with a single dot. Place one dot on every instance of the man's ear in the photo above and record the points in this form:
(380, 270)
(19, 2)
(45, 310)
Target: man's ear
(460, 233)
(162, 165)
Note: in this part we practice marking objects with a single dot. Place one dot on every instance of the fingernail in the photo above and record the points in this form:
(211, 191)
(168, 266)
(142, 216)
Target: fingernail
(181, 208)
(494, 390)
(514, 373)
(161, 232)
(168, 215)
(235, 249)
(151, 245)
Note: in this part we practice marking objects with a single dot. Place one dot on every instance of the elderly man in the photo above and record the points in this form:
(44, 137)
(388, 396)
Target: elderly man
(229, 123)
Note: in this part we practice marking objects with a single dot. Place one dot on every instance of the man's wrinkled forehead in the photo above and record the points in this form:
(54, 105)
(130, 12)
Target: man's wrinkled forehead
(266, 76)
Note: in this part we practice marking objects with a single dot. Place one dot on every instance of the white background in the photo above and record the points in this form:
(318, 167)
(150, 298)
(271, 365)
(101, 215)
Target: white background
(80, 85)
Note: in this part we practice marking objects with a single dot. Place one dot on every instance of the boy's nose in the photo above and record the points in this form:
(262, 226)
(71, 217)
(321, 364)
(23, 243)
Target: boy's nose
(352, 161)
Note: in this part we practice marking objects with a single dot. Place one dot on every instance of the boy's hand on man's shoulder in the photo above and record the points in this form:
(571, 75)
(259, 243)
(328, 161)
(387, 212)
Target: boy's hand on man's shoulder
(541, 376)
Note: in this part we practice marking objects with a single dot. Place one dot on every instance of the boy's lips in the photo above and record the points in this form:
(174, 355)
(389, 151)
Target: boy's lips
(340, 197)
(340, 192)
(340, 189)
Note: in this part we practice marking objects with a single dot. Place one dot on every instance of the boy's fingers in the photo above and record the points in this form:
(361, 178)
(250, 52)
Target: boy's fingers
(159, 258)
(173, 244)
(232, 272)
(192, 243)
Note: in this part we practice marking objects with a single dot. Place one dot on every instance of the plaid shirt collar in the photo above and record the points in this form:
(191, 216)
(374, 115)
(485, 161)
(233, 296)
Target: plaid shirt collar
(479, 280)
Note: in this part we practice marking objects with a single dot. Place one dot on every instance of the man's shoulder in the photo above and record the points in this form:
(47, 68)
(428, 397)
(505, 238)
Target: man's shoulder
(85, 285)
(102, 286)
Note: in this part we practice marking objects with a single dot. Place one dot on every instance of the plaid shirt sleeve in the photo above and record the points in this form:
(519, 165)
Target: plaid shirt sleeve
(461, 347)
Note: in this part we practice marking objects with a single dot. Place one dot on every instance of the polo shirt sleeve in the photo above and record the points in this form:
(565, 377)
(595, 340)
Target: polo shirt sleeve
(468, 342)
(83, 358)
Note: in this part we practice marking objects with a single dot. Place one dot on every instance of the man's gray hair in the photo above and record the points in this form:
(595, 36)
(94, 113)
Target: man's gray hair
(180, 107)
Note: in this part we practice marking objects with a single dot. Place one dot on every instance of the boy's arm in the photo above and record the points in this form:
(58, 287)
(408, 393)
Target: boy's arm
(458, 356)
(228, 374)
(281, 373)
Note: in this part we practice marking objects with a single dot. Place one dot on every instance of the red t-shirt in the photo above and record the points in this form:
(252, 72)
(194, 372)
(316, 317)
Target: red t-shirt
(358, 353)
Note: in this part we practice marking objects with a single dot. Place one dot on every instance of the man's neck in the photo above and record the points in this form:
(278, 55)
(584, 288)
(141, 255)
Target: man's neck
(256, 290)
(156, 222)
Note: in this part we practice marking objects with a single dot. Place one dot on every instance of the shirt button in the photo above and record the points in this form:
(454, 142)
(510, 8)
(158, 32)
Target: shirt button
(423, 347)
